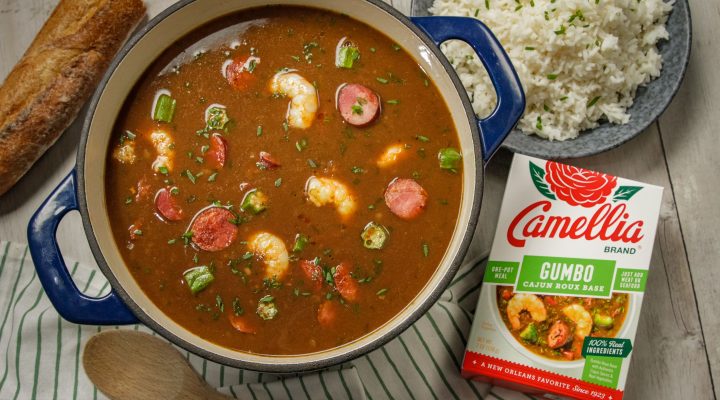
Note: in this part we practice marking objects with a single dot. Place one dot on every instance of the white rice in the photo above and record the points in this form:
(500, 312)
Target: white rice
(580, 61)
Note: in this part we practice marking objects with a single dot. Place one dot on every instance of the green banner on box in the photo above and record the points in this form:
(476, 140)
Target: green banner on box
(603, 371)
(630, 280)
(502, 272)
(606, 347)
(566, 276)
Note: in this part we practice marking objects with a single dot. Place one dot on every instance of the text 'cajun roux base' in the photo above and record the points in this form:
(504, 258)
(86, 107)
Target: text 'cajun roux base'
(563, 286)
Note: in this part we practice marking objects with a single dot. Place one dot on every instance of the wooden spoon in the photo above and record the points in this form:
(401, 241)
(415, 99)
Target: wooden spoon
(135, 365)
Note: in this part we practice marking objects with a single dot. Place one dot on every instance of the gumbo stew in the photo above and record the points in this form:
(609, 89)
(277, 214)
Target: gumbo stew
(555, 326)
(283, 180)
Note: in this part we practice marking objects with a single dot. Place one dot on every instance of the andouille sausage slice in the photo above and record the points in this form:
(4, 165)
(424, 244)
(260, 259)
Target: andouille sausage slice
(344, 282)
(239, 72)
(212, 229)
(313, 273)
(358, 105)
(242, 324)
(558, 335)
(167, 205)
(405, 198)
(268, 161)
(218, 150)
(327, 313)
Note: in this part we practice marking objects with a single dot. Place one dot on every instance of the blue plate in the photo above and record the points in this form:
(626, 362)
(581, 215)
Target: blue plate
(650, 101)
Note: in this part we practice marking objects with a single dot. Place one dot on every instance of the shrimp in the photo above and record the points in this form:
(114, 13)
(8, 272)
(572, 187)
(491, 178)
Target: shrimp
(392, 154)
(303, 98)
(125, 153)
(322, 191)
(581, 317)
(164, 147)
(273, 252)
(525, 302)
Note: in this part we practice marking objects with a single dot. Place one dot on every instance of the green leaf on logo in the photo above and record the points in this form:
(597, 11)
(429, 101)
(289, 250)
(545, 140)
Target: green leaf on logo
(625, 192)
(538, 177)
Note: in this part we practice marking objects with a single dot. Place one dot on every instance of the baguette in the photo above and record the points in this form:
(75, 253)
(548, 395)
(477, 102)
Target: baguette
(45, 90)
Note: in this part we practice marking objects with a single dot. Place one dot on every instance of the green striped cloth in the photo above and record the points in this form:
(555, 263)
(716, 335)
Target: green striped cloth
(41, 354)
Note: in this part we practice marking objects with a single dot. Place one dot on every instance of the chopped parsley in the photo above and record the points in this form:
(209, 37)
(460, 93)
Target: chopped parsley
(189, 175)
(593, 101)
(301, 144)
(237, 309)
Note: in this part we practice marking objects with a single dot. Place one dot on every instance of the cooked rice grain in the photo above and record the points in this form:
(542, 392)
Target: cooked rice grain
(580, 61)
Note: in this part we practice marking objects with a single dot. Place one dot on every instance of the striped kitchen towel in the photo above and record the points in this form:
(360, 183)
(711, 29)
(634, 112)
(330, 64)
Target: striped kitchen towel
(41, 354)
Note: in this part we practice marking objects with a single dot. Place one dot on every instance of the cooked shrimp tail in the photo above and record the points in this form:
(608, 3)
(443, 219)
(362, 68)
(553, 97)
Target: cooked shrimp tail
(303, 98)
(525, 302)
(582, 319)
(271, 249)
(322, 191)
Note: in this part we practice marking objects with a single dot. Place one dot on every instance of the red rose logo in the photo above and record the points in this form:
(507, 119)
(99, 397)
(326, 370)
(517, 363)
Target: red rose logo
(577, 186)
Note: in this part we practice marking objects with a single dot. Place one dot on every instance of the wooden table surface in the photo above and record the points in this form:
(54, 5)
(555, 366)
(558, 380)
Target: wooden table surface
(677, 350)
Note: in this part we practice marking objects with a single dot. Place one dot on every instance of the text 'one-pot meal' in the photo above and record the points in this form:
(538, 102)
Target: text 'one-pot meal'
(563, 286)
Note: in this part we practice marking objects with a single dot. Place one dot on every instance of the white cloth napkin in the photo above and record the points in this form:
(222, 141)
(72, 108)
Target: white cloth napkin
(41, 354)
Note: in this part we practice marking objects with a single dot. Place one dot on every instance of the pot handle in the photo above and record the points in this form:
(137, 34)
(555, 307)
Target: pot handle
(511, 98)
(72, 304)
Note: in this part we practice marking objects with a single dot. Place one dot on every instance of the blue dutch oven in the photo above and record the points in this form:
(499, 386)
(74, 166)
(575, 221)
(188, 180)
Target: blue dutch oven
(84, 189)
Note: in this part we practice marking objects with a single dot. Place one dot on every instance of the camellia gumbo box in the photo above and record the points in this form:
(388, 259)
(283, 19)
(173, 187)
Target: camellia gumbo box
(564, 283)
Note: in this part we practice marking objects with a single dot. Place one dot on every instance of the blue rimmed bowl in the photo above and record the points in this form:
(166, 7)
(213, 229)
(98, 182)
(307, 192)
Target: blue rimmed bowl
(650, 102)
(84, 188)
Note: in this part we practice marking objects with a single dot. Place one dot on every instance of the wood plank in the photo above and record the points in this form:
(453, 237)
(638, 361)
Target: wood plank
(689, 134)
(670, 357)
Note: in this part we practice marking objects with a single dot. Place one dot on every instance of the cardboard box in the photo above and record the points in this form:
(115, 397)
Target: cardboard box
(564, 283)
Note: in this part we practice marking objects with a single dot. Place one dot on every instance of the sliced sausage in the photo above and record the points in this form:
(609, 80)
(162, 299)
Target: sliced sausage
(313, 273)
(507, 293)
(358, 105)
(167, 205)
(239, 72)
(345, 284)
(212, 229)
(405, 198)
(241, 324)
(218, 150)
(328, 313)
(268, 161)
(558, 335)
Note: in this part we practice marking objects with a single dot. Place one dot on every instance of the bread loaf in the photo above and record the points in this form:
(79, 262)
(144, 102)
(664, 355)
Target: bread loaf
(45, 90)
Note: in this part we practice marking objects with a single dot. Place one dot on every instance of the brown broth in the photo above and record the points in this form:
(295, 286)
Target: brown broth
(278, 34)
(614, 307)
